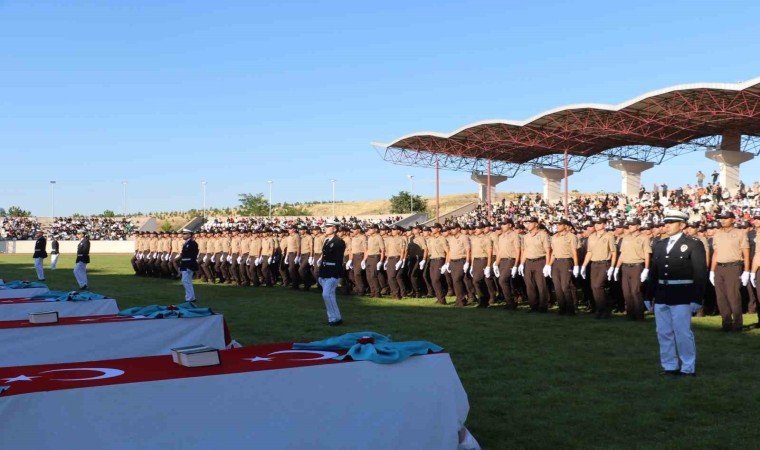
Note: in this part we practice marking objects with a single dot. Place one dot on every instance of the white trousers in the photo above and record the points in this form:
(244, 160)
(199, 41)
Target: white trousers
(675, 337)
(329, 285)
(53, 261)
(80, 273)
(187, 283)
(38, 268)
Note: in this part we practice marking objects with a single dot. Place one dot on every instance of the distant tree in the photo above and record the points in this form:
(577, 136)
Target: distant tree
(291, 210)
(76, 215)
(16, 211)
(2, 212)
(253, 205)
(108, 213)
(401, 203)
(167, 227)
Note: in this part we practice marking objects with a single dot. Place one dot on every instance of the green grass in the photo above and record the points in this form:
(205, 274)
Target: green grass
(533, 381)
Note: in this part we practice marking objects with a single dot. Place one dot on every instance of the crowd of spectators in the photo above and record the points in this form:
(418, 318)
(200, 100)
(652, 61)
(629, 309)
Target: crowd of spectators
(18, 228)
(256, 223)
(98, 228)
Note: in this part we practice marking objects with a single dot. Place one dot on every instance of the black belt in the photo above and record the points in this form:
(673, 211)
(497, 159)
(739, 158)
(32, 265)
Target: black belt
(373, 256)
(606, 261)
(508, 259)
(436, 259)
(632, 264)
(357, 254)
(536, 259)
(729, 264)
(480, 258)
(456, 260)
(563, 259)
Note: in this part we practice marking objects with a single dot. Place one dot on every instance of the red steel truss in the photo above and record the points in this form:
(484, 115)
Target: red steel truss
(652, 128)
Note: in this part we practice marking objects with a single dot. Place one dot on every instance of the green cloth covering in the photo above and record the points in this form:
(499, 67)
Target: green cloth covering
(73, 296)
(382, 350)
(166, 312)
(18, 284)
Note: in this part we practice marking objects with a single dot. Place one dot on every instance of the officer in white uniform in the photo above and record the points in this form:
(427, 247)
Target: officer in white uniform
(331, 271)
(676, 286)
(83, 258)
(188, 264)
(40, 253)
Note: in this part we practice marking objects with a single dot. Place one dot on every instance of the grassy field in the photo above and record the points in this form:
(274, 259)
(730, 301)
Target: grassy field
(533, 381)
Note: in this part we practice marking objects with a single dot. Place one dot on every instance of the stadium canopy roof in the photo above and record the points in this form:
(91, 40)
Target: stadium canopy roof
(652, 127)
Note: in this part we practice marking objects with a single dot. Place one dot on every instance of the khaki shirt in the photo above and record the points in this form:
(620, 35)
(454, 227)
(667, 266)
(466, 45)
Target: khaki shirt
(756, 258)
(202, 245)
(508, 244)
(177, 245)
(235, 245)
(394, 246)
(319, 242)
(728, 245)
(438, 246)
(707, 248)
(482, 247)
(375, 244)
(153, 245)
(563, 245)
(225, 244)
(245, 245)
(359, 244)
(414, 250)
(634, 248)
(292, 242)
(267, 246)
(601, 247)
(535, 246)
(254, 246)
(307, 244)
(217, 241)
(458, 246)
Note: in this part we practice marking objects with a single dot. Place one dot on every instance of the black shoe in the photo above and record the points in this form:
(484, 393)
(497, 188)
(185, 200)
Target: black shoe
(336, 323)
(673, 373)
(41, 279)
(693, 374)
(83, 288)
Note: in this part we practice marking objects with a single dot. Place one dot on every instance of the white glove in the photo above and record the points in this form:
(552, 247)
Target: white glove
(576, 271)
(487, 272)
(422, 264)
(363, 265)
(285, 259)
(648, 305)
(271, 260)
(248, 261)
(496, 271)
(609, 273)
(712, 278)
(466, 266)
(311, 260)
(379, 265)
(548, 271)
(513, 271)
(752, 280)
(644, 275)
(239, 259)
(695, 307)
(583, 272)
(229, 258)
(319, 262)
(398, 265)
(616, 273)
(349, 265)
(744, 278)
(448, 269)
(470, 270)
(205, 258)
(212, 258)
(443, 268)
(521, 270)
(403, 263)
(297, 259)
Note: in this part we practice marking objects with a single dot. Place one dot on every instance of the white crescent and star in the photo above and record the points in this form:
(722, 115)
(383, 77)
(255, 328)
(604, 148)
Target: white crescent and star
(105, 373)
(324, 354)
(18, 378)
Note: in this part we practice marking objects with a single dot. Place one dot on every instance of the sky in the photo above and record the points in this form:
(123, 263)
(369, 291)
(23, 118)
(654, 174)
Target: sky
(165, 95)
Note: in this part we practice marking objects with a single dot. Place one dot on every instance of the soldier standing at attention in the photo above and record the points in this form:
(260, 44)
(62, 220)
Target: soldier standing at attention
(534, 265)
(40, 253)
(330, 271)
(188, 264)
(507, 254)
(676, 283)
(564, 263)
(729, 268)
(602, 254)
(358, 255)
(373, 259)
(438, 248)
(482, 258)
(633, 265)
(54, 251)
(83, 258)
(458, 262)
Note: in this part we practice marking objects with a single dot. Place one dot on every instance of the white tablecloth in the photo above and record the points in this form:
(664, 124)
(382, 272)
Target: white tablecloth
(104, 337)
(246, 403)
(19, 309)
(22, 293)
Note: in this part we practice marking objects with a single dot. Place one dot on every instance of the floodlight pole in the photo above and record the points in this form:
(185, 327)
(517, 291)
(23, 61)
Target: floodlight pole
(203, 189)
(567, 194)
(124, 183)
(411, 195)
(52, 200)
(270, 198)
(333, 201)
(488, 190)
(437, 191)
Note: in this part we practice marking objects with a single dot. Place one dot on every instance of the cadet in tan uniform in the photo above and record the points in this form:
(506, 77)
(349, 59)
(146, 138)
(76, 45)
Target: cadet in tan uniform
(176, 249)
(358, 245)
(564, 262)
(233, 259)
(728, 270)
(153, 254)
(244, 269)
(395, 252)
(507, 254)
(438, 249)
(306, 258)
(633, 265)
(535, 257)
(458, 262)
(319, 241)
(602, 254)
(481, 251)
(202, 241)
(416, 257)
(373, 259)
(755, 266)
(268, 247)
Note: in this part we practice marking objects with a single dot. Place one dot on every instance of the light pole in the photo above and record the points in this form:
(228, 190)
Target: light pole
(270, 198)
(124, 183)
(52, 200)
(411, 195)
(333, 185)
(203, 188)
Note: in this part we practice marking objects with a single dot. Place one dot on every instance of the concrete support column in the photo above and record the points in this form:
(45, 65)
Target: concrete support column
(482, 180)
(552, 178)
(630, 172)
(729, 158)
